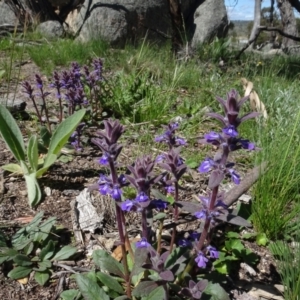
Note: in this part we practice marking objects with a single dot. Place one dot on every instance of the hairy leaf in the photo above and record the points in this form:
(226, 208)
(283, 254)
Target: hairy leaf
(11, 134)
(69, 294)
(19, 272)
(22, 260)
(90, 289)
(33, 189)
(65, 252)
(13, 168)
(107, 263)
(41, 277)
(63, 132)
(32, 153)
(110, 282)
(144, 288)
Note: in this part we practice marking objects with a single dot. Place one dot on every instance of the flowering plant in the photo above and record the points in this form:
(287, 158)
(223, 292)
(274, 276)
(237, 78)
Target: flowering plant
(163, 270)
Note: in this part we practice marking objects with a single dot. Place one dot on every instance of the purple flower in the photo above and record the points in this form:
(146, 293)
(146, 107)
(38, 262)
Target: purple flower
(127, 205)
(212, 137)
(234, 176)
(206, 165)
(160, 138)
(104, 160)
(184, 243)
(195, 235)
(180, 141)
(160, 158)
(230, 131)
(213, 253)
(202, 214)
(104, 189)
(141, 197)
(170, 189)
(159, 204)
(201, 260)
(246, 144)
(116, 193)
(142, 243)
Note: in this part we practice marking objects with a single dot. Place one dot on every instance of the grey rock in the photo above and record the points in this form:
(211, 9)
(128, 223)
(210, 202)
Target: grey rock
(51, 29)
(7, 16)
(12, 104)
(210, 21)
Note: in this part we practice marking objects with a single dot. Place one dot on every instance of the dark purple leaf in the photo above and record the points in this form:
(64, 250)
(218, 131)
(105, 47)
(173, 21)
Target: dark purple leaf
(215, 178)
(167, 275)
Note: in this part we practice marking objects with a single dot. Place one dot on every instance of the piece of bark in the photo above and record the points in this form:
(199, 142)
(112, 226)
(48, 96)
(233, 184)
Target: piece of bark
(250, 178)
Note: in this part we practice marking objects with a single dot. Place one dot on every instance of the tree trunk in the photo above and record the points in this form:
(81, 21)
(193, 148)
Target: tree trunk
(288, 22)
(256, 22)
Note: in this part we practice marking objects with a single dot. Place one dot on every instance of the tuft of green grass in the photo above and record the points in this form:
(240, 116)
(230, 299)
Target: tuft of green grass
(276, 194)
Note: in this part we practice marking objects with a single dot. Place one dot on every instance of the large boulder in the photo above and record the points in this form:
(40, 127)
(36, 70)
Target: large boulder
(7, 16)
(51, 29)
(210, 21)
(130, 20)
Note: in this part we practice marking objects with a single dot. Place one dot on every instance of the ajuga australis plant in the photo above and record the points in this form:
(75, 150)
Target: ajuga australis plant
(160, 269)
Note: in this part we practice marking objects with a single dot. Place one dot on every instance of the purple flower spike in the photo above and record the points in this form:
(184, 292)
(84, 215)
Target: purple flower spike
(195, 235)
(200, 214)
(142, 243)
(206, 165)
(104, 189)
(127, 205)
(184, 243)
(201, 260)
(142, 197)
(213, 253)
(230, 131)
(160, 158)
(234, 176)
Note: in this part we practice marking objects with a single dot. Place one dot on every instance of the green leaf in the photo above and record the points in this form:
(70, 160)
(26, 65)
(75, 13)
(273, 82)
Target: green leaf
(19, 272)
(44, 230)
(158, 293)
(51, 159)
(144, 288)
(11, 134)
(13, 168)
(248, 236)
(234, 244)
(41, 277)
(222, 267)
(2, 240)
(45, 135)
(107, 263)
(69, 295)
(65, 252)
(48, 251)
(63, 132)
(159, 216)
(33, 190)
(232, 234)
(32, 153)
(43, 265)
(8, 254)
(261, 239)
(28, 248)
(216, 292)
(22, 260)
(90, 289)
(110, 282)
(191, 163)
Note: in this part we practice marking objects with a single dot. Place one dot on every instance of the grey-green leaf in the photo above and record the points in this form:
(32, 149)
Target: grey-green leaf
(22, 260)
(13, 168)
(216, 292)
(90, 289)
(19, 272)
(11, 134)
(41, 277)
(107, 263)
(33, 189)
(65, 252)
(32, 153)
(69, 294)
(110, 282)
(63, 132)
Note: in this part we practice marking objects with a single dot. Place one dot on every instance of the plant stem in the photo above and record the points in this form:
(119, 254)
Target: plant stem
(175, 217)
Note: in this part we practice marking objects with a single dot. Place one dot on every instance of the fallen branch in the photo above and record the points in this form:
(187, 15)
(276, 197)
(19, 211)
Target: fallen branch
(280, 31)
